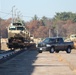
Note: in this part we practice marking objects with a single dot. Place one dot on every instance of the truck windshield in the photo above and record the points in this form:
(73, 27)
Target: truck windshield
(12, 28)
(47, 40)
(20, 28)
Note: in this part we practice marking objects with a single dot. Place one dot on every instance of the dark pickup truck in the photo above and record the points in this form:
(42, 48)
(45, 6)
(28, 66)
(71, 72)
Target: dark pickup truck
(55, 44)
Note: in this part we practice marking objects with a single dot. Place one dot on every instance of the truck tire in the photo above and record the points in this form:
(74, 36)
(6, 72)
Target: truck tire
(40, 51)
(68, 50)
(52, 49)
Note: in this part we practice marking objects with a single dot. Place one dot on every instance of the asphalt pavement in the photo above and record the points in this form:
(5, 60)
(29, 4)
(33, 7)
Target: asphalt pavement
(46, 63)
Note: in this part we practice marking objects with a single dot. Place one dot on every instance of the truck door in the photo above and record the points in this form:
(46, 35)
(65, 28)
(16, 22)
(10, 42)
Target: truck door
(60, 43)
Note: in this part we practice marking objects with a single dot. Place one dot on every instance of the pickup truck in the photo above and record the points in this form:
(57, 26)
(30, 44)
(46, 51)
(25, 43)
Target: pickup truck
(54, 44)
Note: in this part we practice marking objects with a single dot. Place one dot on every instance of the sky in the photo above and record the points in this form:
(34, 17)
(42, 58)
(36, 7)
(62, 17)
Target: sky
(29, 8)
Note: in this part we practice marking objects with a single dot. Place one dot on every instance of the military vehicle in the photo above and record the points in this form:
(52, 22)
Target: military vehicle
(19, 36)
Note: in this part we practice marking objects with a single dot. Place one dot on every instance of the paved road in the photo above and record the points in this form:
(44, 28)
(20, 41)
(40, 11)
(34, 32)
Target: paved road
(34, 63)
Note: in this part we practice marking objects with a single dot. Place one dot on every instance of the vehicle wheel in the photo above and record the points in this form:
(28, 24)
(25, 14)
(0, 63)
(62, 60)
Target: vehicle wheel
(57, 51)
(11, 48)
(52, 50)
(40, 51)
(68, 50)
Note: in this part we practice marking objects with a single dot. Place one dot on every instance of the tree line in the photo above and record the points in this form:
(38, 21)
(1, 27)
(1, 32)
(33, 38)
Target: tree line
(62, 24)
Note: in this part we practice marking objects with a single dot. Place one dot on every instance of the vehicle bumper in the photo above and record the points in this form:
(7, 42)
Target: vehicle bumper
(43, 48)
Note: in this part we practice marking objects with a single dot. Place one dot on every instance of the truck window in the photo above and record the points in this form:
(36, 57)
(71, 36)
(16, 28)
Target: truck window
(12, 28)
(49, 40)
(60, 40)
(20, 28)
(46, 40)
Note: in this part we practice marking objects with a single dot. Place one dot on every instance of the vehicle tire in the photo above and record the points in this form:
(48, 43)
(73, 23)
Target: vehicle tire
(40, 51)
(52, 50)
(68, 50)
(57, 51)
(11, 48)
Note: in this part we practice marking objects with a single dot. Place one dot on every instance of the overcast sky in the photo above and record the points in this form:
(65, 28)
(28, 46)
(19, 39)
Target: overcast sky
(28, 8)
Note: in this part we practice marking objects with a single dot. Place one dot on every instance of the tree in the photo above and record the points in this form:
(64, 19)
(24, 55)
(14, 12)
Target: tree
(65, 16)
(35, 17)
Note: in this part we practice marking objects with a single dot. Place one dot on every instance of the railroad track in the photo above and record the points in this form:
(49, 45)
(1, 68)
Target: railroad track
(6, 55)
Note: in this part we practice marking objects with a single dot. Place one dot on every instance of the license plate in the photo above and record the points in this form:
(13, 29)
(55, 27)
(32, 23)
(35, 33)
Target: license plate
(40, 48)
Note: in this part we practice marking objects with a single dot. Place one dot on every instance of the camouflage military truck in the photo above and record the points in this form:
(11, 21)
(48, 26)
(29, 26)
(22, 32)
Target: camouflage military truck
(18, 36)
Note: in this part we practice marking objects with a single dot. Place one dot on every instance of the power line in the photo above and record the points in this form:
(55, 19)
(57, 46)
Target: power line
(4, 12)
(7, 14)
(14, 14)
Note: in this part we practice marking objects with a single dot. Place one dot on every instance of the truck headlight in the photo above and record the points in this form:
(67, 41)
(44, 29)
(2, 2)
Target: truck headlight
(47, 45)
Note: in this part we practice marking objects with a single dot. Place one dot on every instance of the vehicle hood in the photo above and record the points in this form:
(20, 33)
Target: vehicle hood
(41, 44)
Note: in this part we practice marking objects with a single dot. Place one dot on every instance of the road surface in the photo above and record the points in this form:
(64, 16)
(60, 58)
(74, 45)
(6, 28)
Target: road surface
(34, 63)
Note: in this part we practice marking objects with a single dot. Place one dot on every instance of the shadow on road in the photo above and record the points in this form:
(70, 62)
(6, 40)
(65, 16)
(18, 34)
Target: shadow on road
(22, 64)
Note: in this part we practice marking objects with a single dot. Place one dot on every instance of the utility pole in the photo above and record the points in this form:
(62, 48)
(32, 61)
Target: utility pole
(57, 31)
(18, 15)
(15, 15)
(49, 33)
(12, 14)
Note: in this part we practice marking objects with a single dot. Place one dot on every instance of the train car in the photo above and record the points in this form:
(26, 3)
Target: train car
(18, 36)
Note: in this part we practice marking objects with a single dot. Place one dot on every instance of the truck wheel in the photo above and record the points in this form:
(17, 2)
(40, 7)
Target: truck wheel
(12, 49)
(68, 50)
(40, 51)
(52, 50)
